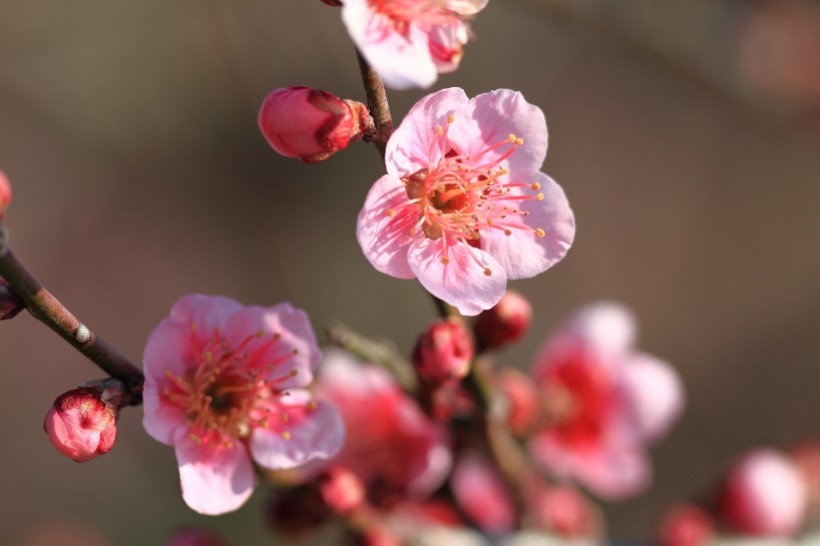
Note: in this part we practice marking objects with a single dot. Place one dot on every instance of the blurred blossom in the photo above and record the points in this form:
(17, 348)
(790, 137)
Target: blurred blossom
(685, 525)
(341, 490)
(82, 423)
(564, 511)
(505, 323)
(481, 493)
(409, 42)
(604, 402)
(522, 399)
(764, 495)
(297, 511)
(223, 385)
(392, 446)
(463, 206)
(10, 303)
(806, 456)
(5, 194)
(309, 124)
(778, 49)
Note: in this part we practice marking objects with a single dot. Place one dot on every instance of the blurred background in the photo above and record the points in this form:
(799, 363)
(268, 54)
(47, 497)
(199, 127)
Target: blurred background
(685, 134)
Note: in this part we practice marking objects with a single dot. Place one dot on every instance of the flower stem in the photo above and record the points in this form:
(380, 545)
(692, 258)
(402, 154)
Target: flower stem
(377, 104)
(47, 309)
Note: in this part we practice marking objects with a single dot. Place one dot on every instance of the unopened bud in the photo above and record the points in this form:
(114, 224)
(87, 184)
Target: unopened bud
(5, 194)
(505, 323)
(522, 400)
(194, 537)
(10, 303)
(342, 490)
(685, 525)
(764, 495)
(443, 352)
(563, 511)
(309, 124)
(82, 423)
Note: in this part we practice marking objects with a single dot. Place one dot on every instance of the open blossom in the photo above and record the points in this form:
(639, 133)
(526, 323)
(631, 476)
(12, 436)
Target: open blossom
(463, 206)
(223, 386)
(603, 401)
(392, 446)
(409, 42)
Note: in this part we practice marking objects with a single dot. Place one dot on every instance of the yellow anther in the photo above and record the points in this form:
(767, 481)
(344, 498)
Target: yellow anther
(286, 435)
(540, 232)
(536, 185)
(511, 138)
(260, 333)
(488, 272)
(540, 196)
(445, 260)
(519, 141)
(312, 405)
(439, 130)
(451, 118)
(293, 373)
(391, 213)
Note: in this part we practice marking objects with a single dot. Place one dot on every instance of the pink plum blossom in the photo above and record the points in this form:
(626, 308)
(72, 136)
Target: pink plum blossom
(409, 42)
(224, 386)
(392, 446)
(604, 402)
(463, 206)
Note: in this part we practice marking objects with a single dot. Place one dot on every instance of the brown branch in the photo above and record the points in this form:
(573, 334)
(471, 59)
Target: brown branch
(47, 309)
(377, 104)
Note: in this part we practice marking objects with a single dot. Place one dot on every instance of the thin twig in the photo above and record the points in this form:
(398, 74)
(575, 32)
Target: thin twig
(377, 104)
(47, 309)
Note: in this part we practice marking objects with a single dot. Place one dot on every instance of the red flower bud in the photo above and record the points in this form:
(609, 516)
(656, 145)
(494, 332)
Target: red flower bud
(10, 303)
(5, 194)
(443, 352)
(82, 423)
(685, 525)
(505, 323)
(522, 398)
(309, 124)
(342, 490)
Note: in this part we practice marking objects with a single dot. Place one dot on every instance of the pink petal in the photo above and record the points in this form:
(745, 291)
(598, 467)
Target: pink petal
(162, 421)
(462, 281)
(408, 149)
(289, 360)
(202, 314)
(172, 346)
(522, 254)
(490, 118)
(382, 234)
(448, 41)
(402, 62)
(343, 375)
(607, 328)
(214, 480)
(482, 494)
(319, 436)
(654, 396)
(465, 7)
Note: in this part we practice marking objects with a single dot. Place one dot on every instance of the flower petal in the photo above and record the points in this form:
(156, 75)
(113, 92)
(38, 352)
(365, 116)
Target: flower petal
(382, 227)
(522, 253)
(414, 144)
(490, 118)
(607, 328)
(286, 350)
(319, 434)
(203, 314)
(482, 494)
(402, 61)
(654, 395)
(463, 281)
(161, 420)
(214, 480)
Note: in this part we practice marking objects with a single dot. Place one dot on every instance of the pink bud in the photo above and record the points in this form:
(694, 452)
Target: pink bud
(685, 525)
(564, 511)
(522, 397)
(505, 323)
(342, 490)
(764, 495)
(10, 303)
(82, 423)
(5, 194)
(443, 352)
(309, 124)
(194, 537)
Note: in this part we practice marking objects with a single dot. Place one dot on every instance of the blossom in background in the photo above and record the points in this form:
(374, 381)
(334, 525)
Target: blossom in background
(223, 386)
(463, 206)
(409, 42)
(392, 446)
(604, 402)
(482, 495)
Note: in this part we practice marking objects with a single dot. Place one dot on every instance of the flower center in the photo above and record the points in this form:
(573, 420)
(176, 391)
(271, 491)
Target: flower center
(458, 196)
(228, 391)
